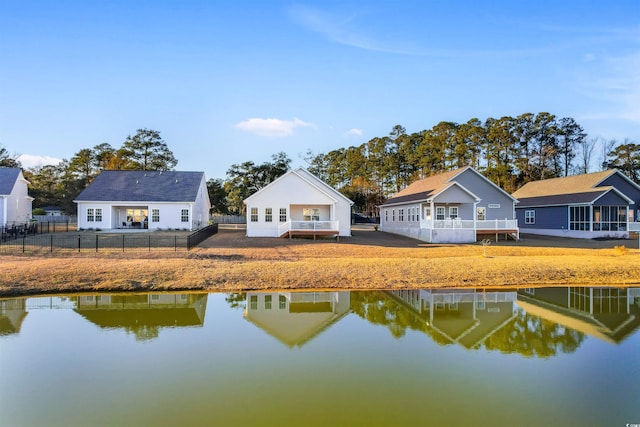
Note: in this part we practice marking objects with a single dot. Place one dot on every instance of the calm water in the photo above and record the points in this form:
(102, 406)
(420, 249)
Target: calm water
(548, 357)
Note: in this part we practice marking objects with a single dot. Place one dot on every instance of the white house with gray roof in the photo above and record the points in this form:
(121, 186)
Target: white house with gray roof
(15, 202)
(451, 207)
(123, 199)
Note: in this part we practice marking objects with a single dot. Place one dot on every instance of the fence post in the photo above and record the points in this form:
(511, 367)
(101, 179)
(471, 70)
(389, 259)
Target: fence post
(175, 243)
(24, 237)
(123, 242)
(96, 243)
(149, 242)
(78, 243)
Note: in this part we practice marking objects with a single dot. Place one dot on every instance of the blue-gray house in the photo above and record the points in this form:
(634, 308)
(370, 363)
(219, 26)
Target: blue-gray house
(451, 207)
(600, 204)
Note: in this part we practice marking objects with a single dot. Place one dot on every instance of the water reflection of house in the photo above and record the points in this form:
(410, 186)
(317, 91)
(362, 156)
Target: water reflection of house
(610, 314)
(143, 314)
(463, 316)
(12, 314)
(294, 318)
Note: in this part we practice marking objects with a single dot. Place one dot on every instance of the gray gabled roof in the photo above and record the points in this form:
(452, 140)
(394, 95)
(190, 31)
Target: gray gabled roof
(8, 177)
(142, 186)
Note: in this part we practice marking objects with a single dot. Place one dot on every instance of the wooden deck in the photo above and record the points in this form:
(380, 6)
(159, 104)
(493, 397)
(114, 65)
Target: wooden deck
(309, 233)
(513, 234)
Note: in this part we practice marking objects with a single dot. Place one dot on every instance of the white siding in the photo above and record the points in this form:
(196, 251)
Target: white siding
(18, 204)
(294, 193)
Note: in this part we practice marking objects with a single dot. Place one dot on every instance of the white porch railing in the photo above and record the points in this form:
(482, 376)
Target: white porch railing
(496, 224)
(307, 226)
(634, 226)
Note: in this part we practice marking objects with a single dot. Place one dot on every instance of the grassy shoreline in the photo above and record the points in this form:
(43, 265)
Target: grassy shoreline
(231, 262)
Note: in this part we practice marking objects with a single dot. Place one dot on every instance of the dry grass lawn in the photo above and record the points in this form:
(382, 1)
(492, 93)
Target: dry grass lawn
(229, 261)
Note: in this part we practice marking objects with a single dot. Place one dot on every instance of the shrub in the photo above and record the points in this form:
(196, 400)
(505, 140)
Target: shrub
(621, 250)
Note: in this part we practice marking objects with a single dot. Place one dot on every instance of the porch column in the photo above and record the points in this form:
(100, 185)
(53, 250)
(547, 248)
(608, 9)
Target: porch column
(591, 218)
(432, 208)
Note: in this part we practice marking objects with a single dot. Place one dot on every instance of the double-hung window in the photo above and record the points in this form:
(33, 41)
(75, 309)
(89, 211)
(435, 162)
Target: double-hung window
(529, 217)
(184, 215)
(268, 215)
(90, 215)
(155, 215)
(254, 215)
(283, 214)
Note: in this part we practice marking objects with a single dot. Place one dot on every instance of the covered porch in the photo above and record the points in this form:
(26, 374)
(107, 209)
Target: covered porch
(310, 221)
(464, 222)
(130, 217)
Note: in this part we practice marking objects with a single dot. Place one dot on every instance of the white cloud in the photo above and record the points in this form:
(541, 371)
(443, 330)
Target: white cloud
(272, 127)
(31, 160)
(354, 132)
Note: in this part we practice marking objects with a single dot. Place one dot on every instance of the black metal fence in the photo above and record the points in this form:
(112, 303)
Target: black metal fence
(197, 237)
(97, 242)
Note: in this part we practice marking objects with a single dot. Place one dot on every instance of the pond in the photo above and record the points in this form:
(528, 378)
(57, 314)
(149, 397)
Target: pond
(538, 356)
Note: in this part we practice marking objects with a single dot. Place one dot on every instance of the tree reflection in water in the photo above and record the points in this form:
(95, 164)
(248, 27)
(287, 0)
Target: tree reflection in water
(525, 334)
(533, 336)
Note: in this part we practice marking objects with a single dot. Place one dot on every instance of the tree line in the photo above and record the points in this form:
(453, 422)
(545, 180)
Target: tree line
(510, 151)
(58, 185)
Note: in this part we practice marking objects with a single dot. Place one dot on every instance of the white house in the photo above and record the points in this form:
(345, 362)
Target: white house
(144, 199)
(298, 203)
(451, 207)
(15, 202)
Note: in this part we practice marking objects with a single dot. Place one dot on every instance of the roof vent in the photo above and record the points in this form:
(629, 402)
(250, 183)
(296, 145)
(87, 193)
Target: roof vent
(176, 181)
(137, 182)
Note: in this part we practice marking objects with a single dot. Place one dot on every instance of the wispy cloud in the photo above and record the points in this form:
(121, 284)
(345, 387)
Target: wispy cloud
(31, 161)
(272, 127)
(341, 28)
(616, 83)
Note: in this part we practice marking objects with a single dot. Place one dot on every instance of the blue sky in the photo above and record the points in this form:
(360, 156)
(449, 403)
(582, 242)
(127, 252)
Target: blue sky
(231, 81)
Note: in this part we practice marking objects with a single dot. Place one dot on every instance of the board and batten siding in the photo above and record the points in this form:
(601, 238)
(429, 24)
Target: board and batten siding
(498, 204)
(623, 185)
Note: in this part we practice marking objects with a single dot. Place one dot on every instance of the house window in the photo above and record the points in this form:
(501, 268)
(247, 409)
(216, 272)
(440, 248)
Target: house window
(254, 214)
(283, 214)
(268, 215)
(90, 217)
(393, 215)
(253, 302)
(282, 300)
(453, 212)
(481, 213)
(400, 214)
(386, 215)
(184, 215)
(155, 215)
(529, 217)
(439, 213)
(267, 302)
(311, 214)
